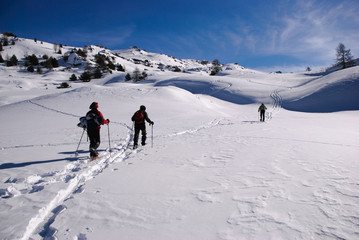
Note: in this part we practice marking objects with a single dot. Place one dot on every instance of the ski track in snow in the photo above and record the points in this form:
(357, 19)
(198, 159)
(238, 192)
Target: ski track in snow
(75, 174)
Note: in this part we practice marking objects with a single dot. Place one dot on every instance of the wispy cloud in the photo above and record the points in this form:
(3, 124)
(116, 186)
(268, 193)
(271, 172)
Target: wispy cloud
(312, 28)
(304, 30)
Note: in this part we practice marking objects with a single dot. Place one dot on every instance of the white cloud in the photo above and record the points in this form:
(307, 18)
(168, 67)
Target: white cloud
(307, 29)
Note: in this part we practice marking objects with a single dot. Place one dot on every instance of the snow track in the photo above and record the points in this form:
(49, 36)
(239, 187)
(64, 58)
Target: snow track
(84, 171)
(74, 176)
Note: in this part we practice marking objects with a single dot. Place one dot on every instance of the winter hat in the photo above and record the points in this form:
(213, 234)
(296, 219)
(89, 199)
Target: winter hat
(142, 107)
(93, 105)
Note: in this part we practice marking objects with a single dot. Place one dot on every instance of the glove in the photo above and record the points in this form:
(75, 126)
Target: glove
(152, 123)
(108, 121)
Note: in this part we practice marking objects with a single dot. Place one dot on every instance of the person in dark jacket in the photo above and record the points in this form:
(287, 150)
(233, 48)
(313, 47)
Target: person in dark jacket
(94, 121)
(262, 109)
(139, 119)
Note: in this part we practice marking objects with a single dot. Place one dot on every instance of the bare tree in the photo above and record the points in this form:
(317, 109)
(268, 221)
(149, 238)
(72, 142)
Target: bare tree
(136, 75)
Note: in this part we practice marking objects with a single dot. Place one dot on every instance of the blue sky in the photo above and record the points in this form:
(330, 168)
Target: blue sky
(273, 35)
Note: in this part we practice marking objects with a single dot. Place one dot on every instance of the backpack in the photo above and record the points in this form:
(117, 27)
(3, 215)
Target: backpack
(82, 123)
(138, 117)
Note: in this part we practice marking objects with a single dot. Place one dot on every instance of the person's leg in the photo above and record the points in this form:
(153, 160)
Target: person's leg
(94, 142)
(144, 136)
(135, 139)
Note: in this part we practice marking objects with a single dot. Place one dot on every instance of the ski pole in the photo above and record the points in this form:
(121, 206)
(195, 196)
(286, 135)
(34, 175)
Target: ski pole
(109, 139)
(76, 153)
(152, 136)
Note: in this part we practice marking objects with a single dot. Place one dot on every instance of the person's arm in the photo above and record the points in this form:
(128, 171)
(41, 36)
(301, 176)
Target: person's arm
(104, 121)
(148, 119)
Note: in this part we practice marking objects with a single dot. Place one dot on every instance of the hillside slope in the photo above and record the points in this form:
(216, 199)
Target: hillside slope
(210, 169)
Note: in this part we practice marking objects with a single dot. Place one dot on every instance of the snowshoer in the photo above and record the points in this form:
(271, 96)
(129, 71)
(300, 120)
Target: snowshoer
(262, 109)
(94, 121)
(139, 119)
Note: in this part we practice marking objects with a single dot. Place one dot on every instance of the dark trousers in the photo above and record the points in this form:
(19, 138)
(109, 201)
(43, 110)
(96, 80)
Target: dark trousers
(262, 115)
(94, 136)
(138, 128)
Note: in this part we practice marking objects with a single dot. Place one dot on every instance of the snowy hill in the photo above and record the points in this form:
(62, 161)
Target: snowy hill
(210, 169)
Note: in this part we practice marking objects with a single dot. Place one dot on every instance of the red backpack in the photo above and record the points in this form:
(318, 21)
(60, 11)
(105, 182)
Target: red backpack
(138, 117)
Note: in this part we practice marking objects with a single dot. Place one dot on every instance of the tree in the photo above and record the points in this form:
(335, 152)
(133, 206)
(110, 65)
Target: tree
(85, 76)
(12, 61)
(32, 60)
(111, 66)
(39, 70)
(100, 60)
(97, 74)
(73, 77)
(128, 77)
(216, 67)
(5, 41)
(344, 57)
(1, 59)
(120, 68)
(1, 49)
(81, 53)
(31, 68)
(308, 69)
(51, 63)
(64, 85)
(136, 75)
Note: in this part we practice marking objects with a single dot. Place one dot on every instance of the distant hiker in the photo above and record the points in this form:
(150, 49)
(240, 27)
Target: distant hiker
(139, 119)
(262, 109)
(94, 121)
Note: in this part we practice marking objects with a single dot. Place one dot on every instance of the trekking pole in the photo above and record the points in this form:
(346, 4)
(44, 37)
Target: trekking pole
(109, 139)
(76, 153)
(152, 136)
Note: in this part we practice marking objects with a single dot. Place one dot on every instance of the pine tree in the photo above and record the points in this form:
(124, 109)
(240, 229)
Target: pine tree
(97, 74)
(12, 61)
(85, 76)
(1, 59)
(32, 60)
(120, 68)
(216, 67)
(344, 57)
(128, 77)
(31, 68)
(73, 77)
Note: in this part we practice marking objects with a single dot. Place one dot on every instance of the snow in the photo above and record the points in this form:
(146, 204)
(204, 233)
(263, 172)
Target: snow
(214, 171)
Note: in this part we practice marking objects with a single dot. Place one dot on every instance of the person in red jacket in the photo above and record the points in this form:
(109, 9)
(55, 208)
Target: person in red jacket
(94, 121)
(139, 119)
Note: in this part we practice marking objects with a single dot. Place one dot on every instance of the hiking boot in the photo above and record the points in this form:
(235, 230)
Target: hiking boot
(93, 152)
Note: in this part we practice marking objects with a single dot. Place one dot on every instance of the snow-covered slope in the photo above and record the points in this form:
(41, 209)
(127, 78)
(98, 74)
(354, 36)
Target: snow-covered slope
(210, 169)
